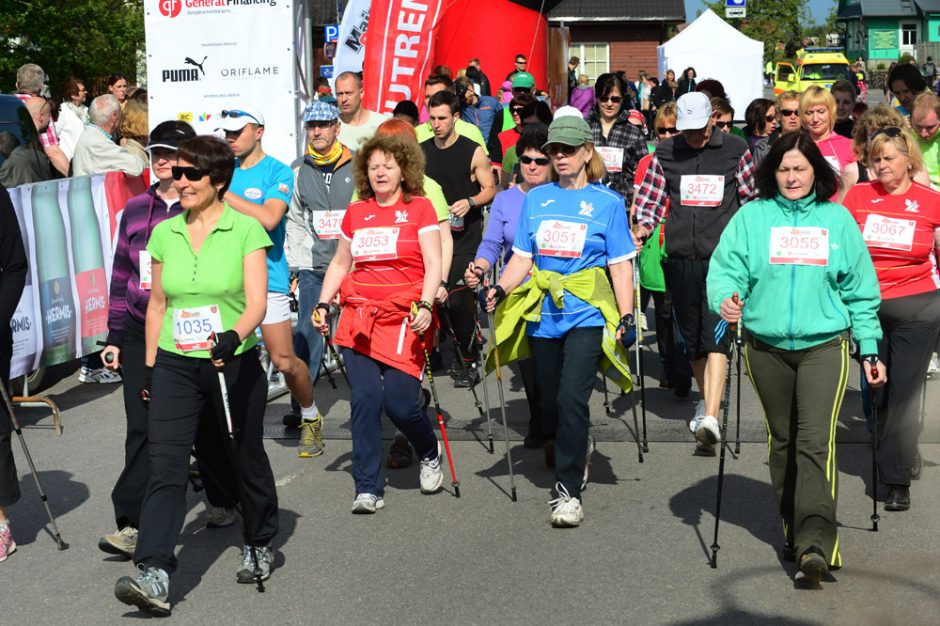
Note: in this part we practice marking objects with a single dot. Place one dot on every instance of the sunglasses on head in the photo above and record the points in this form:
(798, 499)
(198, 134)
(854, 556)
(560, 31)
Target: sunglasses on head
(565, 149)
(789, 112)
(727, 124)
(614, 99)
(527, 160)
(890, 131)
(192, 174)
(662, 130)
(235, 113)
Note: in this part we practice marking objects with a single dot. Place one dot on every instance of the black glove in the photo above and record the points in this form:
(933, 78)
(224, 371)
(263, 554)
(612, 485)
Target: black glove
(225, 345)
(628, 325)
(144, 392)
(500, 295)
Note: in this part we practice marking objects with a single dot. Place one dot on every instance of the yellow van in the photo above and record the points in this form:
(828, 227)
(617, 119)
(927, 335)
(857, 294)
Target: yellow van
(814, 66)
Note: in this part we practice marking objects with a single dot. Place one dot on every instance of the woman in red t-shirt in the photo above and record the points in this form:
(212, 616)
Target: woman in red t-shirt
(392, 236)
(899, 219)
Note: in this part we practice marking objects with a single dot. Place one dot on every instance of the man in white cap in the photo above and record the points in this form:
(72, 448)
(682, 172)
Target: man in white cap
(261, 187)
(706, 176)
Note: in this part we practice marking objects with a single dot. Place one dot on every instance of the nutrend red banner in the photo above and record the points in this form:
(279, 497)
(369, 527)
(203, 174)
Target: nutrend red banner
(398, 51)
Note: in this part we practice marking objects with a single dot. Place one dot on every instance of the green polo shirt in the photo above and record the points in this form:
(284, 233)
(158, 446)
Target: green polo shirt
(463, 129)
(214, 276)
(931, 152)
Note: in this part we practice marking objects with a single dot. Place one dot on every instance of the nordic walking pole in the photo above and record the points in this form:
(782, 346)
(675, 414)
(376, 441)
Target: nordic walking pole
(465, 370)
(32, 468)
(607, 408)
(721, 462)
(639, 354)
(491, 320)
(233, 450)
(874, 459)
(331, 348)
(437, 406)
(737, 425)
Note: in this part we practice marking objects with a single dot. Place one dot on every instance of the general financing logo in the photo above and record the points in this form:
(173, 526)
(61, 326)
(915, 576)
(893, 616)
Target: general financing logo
(186, 75)
(172, 8)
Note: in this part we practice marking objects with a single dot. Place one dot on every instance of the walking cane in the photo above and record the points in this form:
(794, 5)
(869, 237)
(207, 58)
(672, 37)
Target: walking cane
(32, 468)
(724, 430)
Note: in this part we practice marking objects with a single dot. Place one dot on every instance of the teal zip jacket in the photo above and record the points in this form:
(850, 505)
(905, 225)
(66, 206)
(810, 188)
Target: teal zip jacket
(791, 306)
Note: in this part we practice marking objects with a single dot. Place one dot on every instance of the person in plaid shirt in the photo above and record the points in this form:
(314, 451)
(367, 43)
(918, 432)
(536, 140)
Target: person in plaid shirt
(30, 80)
(706, 176)
(620, 143)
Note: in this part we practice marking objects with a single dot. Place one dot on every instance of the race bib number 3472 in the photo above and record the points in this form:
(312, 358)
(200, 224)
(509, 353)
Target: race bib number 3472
(799, 246)
(702, 190)
(375, 244)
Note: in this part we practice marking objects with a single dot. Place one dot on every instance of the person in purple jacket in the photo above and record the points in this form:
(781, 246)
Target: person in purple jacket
(536, 170)
(130, 293)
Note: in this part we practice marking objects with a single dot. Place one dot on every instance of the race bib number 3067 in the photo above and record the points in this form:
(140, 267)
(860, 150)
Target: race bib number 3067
(799, 246)
(889, 232)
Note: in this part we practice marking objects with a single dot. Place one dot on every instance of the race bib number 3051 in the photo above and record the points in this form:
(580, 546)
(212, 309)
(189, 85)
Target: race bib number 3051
(889, 232)
(375, 244)
(561, 239)
(702, 190)
(192, 327)
(799, 246)
(327, 223)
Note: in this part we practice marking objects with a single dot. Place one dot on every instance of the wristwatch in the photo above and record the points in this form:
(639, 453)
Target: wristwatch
(471, 202)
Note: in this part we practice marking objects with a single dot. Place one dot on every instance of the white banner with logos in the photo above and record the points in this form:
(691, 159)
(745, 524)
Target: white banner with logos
(206, 56)
(351, 43)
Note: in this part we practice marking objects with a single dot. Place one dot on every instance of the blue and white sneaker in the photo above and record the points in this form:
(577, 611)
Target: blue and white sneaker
(149, 592)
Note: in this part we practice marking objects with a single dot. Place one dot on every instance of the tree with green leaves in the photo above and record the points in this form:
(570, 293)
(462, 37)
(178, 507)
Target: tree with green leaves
(772, 22)
(88, 39)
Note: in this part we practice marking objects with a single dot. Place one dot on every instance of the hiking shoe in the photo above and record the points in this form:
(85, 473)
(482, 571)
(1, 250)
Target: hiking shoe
(898, 498)
(121, 543)
(367, 503)
(469, 378)
(813, 567)
(399, 453)
(7, 545)
(311, 438)
(99, 375)
(246, 566)
(707, 430)
(431, 475)
(592, 445)
(220, 516)
(149, 592)
(566, 511)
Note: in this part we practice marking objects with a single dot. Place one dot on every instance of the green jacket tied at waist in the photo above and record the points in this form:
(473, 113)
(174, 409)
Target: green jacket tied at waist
(524, 304)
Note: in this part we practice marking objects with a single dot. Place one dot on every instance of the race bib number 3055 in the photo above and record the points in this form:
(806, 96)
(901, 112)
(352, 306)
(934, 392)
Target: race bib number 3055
(327, 223)
(888, 232)
(375, 244)
(561, 239)
(799, 246)
(192, 327)
(702, 190)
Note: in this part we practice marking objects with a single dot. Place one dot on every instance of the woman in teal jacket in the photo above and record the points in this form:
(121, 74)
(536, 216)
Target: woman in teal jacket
(805, 279)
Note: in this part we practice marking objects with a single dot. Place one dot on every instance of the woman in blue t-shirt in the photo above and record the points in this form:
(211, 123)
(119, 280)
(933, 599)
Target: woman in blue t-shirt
(569, 234)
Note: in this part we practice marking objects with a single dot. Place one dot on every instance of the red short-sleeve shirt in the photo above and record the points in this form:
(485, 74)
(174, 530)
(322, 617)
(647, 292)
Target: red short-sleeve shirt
(899, 232)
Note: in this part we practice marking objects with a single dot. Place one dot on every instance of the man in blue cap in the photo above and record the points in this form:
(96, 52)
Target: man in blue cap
(323, 187)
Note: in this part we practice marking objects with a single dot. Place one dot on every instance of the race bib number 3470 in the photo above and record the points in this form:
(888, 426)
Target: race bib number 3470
(375, 244)
(799, 246)
(192, 327)
(327, 223)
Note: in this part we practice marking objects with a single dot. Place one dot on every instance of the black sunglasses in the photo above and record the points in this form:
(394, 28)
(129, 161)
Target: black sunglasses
(663, 130)
(522, 62)
(789, 112)
(565, 149)
(192, 174)
(236, 113)
(614, 99)
(527, 160)
(890, 131)
(725, 124)
(770, 118)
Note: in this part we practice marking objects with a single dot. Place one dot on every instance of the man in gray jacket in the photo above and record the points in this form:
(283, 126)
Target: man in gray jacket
(323, 188)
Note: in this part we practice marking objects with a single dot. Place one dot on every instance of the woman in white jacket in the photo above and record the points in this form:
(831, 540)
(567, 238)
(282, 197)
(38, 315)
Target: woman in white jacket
(73, 115)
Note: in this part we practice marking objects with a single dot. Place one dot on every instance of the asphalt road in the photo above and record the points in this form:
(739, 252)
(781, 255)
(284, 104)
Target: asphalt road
(639, 558)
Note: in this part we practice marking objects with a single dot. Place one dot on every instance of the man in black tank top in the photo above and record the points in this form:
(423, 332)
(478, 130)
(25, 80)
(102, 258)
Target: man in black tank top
(461, 168)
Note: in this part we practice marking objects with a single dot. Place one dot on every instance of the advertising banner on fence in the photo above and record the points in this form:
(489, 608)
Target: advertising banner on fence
(209, 56)
(399, 51)
(63, 313)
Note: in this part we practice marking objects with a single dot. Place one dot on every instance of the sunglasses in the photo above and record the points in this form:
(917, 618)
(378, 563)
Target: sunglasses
(565, 149)
(890, 131)
(724, 124)
(527, 160)
(235, 113)
(192, 174)
(770, 118)
(789, 112)
(516, 110)
(670, 130)
(614, 99)
(522, 62)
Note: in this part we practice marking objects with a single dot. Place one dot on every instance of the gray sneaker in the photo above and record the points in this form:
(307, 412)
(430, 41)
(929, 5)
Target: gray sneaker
(149, 592)
(121, 543)
(246, 566)
(219, 516)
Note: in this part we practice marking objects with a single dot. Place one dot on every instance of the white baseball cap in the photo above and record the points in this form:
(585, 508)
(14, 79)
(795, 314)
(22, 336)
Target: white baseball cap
(567, 111)
(235, 119)
(693, 111)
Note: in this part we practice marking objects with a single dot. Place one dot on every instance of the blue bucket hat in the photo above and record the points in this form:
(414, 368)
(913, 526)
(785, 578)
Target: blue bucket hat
(319, 111)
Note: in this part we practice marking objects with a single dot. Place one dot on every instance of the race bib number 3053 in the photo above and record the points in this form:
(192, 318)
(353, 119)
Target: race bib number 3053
(799, 246)
(702, 190)
(561, 239)
(192, 327)
(889, 232)
(375, 244)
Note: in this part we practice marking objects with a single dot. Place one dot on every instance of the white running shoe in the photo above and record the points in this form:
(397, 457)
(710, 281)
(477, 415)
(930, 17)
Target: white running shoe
(708, 431)
(933, 370)
(566, 511)
(99, 375)
(366, 503)
(698, 417)
(592, 446)
(431, 475)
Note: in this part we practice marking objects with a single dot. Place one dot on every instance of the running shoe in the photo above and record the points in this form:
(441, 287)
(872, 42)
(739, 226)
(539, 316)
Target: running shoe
(246, 565)
(468, 378)
(592, 445)
(399, 453)
(706, 429)
(99, 375)
(311, 438)
(220, 516)
(431, 475)
(813, 567)
(933, 370)
(7, 545)
(566, 511)
(698, 417)
(121, 543)
(367, 503)
(149, 592)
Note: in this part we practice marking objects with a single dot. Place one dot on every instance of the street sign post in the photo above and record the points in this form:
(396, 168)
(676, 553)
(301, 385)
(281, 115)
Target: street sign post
(735, 9)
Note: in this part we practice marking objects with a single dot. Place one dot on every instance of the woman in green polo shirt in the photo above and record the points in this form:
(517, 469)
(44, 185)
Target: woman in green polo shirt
(209, 277)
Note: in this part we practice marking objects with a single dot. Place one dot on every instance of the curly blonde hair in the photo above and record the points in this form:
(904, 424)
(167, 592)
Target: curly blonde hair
(134, 124)
(873, 120)
(409, 157)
